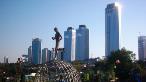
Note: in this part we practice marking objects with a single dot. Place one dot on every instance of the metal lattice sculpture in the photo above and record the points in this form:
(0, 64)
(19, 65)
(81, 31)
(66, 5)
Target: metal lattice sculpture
(60, 70)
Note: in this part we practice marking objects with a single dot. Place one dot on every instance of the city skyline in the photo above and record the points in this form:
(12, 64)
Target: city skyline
(20, 21)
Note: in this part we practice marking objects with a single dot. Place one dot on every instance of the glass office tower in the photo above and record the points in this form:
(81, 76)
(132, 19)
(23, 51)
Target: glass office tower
(142, 47)
(112, 27)
(82, 43)
(69, 44)
(36, 51)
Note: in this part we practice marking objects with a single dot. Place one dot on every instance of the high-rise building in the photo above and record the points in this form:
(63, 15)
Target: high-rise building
(52, 54)
(6, 60)
(60, 54)
(49, 55)
(69, 44)
(36, 51)
(45, 55)
(82, 43)
(30, 54)
(142, 47)
(112, 27)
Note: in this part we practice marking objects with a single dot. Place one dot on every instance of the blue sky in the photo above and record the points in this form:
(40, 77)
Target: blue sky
(23, 20)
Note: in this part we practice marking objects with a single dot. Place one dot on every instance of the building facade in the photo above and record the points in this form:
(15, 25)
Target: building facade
(82, 43)
(142, 48)
(36, 51)
(112, 28)
(52, 54)
(60, 54)
(45, 55)
(69, 44)
(49, 55)
(30, 54)
(6, 60)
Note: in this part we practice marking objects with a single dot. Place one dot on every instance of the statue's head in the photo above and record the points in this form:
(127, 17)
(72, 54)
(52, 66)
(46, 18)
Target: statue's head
(55, 29)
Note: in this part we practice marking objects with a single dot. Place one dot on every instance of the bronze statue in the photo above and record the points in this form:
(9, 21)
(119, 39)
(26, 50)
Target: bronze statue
(57, 37)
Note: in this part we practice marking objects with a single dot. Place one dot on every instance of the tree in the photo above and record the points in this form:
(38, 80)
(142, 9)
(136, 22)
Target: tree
(104, 71)
(77, 65)
(124, 66)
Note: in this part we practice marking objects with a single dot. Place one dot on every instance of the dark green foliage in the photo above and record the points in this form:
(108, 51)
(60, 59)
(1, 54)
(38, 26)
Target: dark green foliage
(10, 69)
(125, 64)
(118, 65)
(104, 71)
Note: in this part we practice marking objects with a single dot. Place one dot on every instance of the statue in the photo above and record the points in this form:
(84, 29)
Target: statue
(57, 37)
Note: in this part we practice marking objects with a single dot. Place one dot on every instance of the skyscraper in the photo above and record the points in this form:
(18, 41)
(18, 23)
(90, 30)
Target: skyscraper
(52, 54)
(6, 60)
(82, 43)
(36, 51)
(112, 27)
(60, 53)
(45, 55)
(49, 55)
(69, 44)
(30, 54)
(142, 47)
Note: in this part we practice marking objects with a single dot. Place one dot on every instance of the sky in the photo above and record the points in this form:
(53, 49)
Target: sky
(23, 20)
